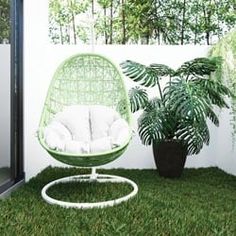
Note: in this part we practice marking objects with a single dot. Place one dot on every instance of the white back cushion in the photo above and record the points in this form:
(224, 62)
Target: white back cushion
(76, 119)
(120, 132)
(56, 134)
(101, 118)
(59, 128)
(54, 142)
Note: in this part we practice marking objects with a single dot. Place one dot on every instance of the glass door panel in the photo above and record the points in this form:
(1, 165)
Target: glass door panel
(5, 92)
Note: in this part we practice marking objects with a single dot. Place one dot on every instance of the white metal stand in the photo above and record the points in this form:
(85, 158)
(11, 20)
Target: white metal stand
(100, 178)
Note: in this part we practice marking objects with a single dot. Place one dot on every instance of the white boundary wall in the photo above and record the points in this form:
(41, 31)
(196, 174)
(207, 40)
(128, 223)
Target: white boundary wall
(41, 59)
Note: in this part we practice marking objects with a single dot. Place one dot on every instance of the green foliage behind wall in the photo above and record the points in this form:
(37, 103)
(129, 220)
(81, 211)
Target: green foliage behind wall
(226, 48)
(142, 21)
(4, 21)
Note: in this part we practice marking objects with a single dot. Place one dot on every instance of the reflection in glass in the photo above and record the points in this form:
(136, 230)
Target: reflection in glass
(5, 56)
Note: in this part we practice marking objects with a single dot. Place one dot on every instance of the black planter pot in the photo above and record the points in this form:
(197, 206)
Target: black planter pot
(170, 157)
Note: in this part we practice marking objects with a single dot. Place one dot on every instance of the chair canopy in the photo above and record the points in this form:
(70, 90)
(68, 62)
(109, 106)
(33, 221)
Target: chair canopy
(85, 79)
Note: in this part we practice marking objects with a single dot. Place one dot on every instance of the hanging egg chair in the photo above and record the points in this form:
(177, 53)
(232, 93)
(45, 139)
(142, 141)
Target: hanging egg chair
(86, 79)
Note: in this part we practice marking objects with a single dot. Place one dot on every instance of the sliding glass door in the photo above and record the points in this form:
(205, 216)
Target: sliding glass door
(5, 92)
(11, 90)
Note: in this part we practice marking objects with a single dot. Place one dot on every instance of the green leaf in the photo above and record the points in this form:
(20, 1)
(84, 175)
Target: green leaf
(198, 67)
(214, 90)
(153, 104)
(151, 127)
(156, 122)
(163, 70)
(138, 98)
(186, 100)
(194, 134)
(213, 117)
(146, 76)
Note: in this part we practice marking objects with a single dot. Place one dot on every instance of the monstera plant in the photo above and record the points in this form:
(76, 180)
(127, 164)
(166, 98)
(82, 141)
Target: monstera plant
(175, 121)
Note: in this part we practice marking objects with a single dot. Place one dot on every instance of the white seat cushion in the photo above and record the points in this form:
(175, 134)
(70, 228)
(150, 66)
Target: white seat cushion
(100, 145)
(73, 146)
(76, 119)
(101, 118)
(86, 129)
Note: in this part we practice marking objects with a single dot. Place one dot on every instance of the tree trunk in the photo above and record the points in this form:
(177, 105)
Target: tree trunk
(208, 37)
(74, 29)
(195, 35)
(195, 28)
(209, 13)
(207, 21)
(147, 39)
(68, 34)
(218, 30)
(123, 22)
(73, 23)
(183, 23)
(93, 31)
(61, 34)
(105, 25)
(158, 36)
(111, 22)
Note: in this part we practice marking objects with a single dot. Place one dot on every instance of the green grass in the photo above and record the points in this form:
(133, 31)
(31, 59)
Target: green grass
(202, 202)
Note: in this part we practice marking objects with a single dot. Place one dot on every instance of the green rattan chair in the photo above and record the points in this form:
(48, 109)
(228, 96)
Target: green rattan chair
(85, 79)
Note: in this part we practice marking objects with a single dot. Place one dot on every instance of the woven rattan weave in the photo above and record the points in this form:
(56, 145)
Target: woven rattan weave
(85, 79)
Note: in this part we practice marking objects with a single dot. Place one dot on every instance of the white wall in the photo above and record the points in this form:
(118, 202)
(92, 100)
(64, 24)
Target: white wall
(226, 154)
(4, 105)
(41, 59)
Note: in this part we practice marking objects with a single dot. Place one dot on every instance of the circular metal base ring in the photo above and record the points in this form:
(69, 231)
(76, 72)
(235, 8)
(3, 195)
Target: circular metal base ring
(100, 178)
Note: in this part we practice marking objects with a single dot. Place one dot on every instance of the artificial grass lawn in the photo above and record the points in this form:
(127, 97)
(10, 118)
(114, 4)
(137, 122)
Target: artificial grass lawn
(201, 202)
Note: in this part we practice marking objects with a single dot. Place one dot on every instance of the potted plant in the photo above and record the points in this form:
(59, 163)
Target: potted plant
(175, 121)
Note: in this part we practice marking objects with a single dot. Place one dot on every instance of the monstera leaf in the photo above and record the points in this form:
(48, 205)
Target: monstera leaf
(138, 98)
(153, 104)
(213, 117)
(214, 90)
(144, 75)
(151, 127)
(186, 100)
(156, 122)
(198, 67)
(194, 134)
(162, 70)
